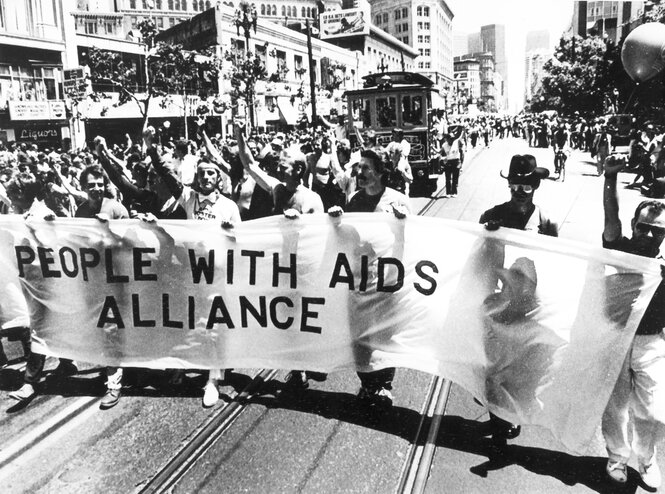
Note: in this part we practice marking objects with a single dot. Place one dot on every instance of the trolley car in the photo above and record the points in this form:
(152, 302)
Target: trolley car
(397, 100)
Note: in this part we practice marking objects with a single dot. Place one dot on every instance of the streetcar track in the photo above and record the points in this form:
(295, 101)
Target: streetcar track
(203, 438)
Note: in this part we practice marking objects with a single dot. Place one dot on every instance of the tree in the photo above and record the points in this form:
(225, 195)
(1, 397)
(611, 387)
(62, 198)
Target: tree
(167, 70)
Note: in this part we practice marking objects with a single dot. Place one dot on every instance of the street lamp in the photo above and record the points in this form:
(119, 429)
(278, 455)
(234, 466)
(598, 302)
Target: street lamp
(246, 18)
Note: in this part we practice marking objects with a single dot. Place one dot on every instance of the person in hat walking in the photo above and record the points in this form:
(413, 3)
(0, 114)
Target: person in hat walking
(520, 212)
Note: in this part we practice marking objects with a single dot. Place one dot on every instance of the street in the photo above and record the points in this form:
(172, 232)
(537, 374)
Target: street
(321, 441)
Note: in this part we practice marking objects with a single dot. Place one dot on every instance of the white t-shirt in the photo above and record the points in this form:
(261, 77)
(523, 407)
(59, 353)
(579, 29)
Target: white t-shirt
(213, 206)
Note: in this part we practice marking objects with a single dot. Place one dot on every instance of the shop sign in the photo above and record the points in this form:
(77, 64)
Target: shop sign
(37, 110)
(38, 133)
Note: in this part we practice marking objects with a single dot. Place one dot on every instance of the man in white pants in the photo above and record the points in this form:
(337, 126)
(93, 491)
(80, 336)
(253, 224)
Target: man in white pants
(638, 399)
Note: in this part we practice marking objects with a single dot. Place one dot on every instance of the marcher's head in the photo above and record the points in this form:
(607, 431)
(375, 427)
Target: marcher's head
(95, 182)
(648, 225)
(291, 167)
(373, 167)
(398, 135)
(524, 176)
(181, 149)
(208, 176)
(22, 190)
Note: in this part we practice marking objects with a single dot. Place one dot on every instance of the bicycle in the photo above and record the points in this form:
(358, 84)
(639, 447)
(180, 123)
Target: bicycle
(560, 158)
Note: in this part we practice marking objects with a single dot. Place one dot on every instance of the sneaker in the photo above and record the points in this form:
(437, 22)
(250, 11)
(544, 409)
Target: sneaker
(66, 368)
(24, 393)
(650, 475)
(617, 471)
(110, 399)
(210, 394)
(296, 380)
(379, 397)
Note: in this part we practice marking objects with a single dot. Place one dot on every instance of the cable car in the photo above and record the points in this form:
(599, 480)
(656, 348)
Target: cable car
(402, 100)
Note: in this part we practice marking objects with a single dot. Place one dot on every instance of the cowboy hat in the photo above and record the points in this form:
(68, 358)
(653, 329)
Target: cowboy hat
(523, 170)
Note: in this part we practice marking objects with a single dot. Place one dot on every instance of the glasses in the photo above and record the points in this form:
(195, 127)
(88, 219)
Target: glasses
(525, 188)
(645, 228)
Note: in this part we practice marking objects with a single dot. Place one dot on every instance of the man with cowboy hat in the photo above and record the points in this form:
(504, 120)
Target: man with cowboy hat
(524, 177)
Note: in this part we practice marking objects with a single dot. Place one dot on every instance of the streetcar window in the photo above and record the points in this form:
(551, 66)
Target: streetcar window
(386, 112)
(412, 110)
(360, 110)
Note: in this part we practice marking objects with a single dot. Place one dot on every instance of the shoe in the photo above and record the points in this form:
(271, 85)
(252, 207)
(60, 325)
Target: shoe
(210, 394)
(650, 475)
(617, 471)
(110, 399)
(511, 431)
(378, 397)
(66, 368)
(296, 380)
(24, 393)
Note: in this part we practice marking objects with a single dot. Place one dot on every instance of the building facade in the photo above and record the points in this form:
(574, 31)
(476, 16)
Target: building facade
(426, 25)
(467, 83)
(490, 84)
(534, 71)
(32, 55)
(609, 19)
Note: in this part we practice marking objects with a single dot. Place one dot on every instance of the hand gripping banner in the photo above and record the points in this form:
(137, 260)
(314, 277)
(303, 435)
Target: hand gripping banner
(535, 327)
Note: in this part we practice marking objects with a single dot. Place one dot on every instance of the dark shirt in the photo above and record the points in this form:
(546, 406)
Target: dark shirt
(509, 218)
(361, 202)
(653, 319)
(110, 207)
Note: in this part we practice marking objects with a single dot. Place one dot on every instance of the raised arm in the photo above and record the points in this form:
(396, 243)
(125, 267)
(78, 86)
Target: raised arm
(115, 169)
(174, 185)
(265, 181)
(612, 230)
(214, 154)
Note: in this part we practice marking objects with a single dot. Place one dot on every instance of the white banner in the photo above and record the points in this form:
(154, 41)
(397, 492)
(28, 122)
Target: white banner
(516, 319)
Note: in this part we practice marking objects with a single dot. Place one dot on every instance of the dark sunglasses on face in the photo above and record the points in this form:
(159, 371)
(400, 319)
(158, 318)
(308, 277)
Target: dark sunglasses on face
(525, 188)
(645, 228)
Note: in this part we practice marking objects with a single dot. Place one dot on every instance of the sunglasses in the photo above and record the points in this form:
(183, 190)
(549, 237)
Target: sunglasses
(645, 228)
(525, 188)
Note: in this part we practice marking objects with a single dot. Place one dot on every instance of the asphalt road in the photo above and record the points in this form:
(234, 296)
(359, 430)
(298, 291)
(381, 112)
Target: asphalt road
(320, 442)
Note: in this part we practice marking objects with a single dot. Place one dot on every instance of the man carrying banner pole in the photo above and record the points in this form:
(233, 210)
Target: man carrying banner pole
(640, 388)
(521, 213)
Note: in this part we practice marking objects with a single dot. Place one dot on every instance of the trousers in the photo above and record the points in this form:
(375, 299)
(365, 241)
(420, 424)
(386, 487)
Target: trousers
(640, 389)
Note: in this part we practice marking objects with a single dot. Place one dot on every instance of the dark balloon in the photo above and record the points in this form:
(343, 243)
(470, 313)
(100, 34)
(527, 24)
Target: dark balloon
(643, 52)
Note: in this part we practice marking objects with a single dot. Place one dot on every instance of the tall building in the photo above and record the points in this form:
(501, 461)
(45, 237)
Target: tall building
(493, 40)
(533, 72)
(608, 19)
(467, 82)
(426, 25)
(491, 94)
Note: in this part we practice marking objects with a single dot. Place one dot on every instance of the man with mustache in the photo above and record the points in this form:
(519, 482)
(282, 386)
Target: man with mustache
(520, 212)
(638, 399)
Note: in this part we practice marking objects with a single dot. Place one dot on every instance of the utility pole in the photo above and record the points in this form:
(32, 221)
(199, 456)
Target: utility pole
(312, 74)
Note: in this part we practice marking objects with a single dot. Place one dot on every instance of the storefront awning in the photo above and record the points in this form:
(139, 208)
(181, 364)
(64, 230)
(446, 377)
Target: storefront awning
(288, 112)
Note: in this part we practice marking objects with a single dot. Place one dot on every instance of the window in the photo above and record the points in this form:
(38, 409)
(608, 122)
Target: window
(314, 12)
(420, 65)
(428, 39)
(91, 27)
(419, 10)
(398, 14)
(361, 112)
(303, 12)
(406, 40)
(398, 28)
(427, 65)
(419, 25)
(385, 17)
(158, 4)
(309, 12)
(297, 63)
(386, 112)
(421, 51)
(405, 27)
(274, 10)
(377, 19)
(263, 9)
(160, 22)
(420, 38)
(412, 110)
(426, 26)
(132, 4)
(171, 21)
(145, 4)
(135, 22)
(427, 52)
(283, 11)
(425, 11)
(405, 13)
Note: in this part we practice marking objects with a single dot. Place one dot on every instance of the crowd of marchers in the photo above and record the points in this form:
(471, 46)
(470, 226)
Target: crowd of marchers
(243, 177)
